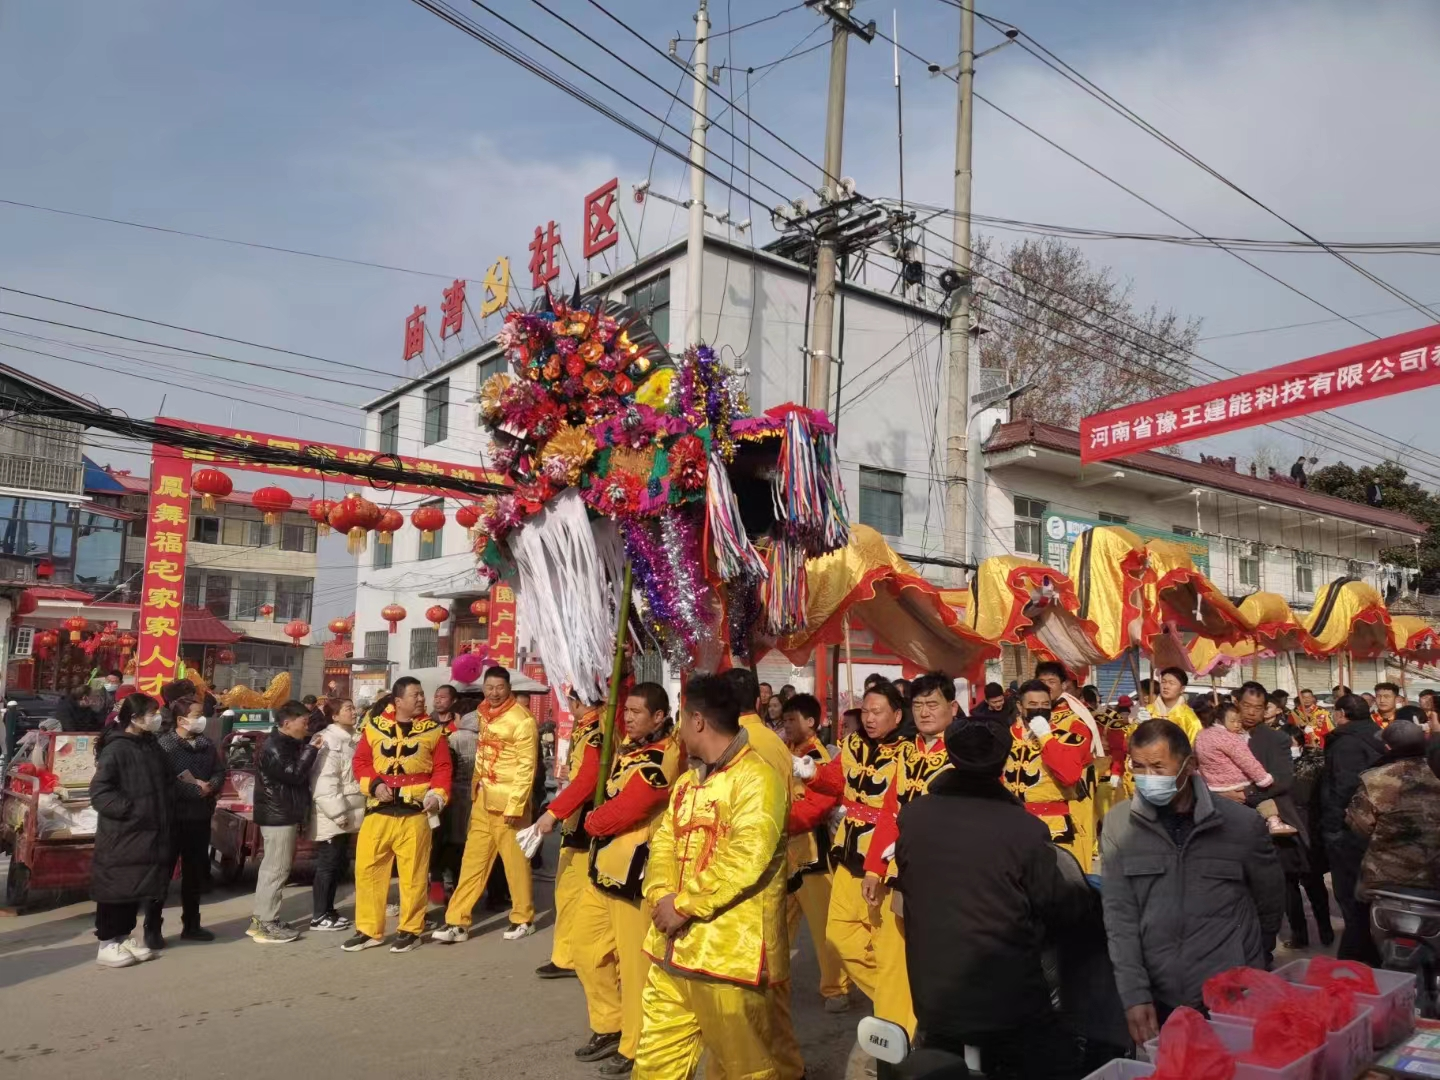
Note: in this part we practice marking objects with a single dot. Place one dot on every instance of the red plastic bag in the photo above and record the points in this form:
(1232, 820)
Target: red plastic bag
(48, 780)
(1338, 999)
(1325, 971)
(1286, 1032)
(1244, 991)
(1190, 1050)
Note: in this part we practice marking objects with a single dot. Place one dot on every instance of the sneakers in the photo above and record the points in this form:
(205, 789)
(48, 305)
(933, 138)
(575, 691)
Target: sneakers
(134, 948)
(518, 931)
(838, 1004)
(330, 921)
(405, 942)
(154, 939)
(600, 1046)
(275, 933)
(552, 971)
(1279, 828)
(392, 910)
(619, 1065)
(361, 942)
(196, 933)
(253, 928)
(450, 934)
(113, 954)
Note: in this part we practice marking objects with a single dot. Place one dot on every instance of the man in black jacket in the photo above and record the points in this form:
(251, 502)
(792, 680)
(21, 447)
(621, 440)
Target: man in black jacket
(982, 891)
(282, 804)
(1354, 746)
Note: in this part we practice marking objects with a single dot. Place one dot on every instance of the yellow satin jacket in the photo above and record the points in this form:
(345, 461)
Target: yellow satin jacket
(720, 848)
(505, 761)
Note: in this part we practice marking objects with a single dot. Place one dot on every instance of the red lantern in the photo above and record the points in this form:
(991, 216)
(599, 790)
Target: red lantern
(480, 608)
(267, 610)
(44, 569)
(44, 641)
(468, 516)
(107, 637)
(429, 520)
(437, 614)
(77, 625)
(212, 484)
(393, 614)
(320, 514)
(296, 629)
(126, 643)
(340, 627)
(25, 603)
(390, 521)
(354, 515)
(272, 502)
(225, 656)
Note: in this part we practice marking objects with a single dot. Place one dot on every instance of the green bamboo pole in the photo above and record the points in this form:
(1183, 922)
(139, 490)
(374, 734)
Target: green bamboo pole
(607, 746)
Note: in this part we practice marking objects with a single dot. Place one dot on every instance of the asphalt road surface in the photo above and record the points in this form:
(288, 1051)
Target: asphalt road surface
(236, 1009)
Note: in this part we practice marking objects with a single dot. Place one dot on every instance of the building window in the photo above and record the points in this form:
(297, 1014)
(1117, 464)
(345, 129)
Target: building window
(1107, 518)
(217, 595)
(377, 645)
(390, 430)
(192, 587)
(1304, 572)
(205, 530)
(882, 500)
(1250, 566)
(253, 591)
(1182, 530)
(437, 412)
(430, 549)
(384, 555)
(651, 299)
(486, 369)
(297, 538)
(292, 598)
(1029, 533)
(424, 646)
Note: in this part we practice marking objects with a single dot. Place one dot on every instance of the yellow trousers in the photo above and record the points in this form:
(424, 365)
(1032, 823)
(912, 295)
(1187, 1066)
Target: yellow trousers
(812, 900)
(488, 839)
(387, 839)
(850, 927)
(609, 949)
(570, 882)
(684, 1016)
(892, 973)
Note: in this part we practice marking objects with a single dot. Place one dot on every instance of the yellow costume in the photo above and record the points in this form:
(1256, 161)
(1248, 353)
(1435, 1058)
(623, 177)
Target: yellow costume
(1115, 728)
(505, 761)
(719, 851)
(570, 807)
(611, 918)
(1316, 723)
(1180, 714)
(807, 858)
(1054, 776)
(412, 760)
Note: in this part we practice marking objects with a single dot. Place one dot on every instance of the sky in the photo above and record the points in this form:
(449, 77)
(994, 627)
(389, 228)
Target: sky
(387, 136)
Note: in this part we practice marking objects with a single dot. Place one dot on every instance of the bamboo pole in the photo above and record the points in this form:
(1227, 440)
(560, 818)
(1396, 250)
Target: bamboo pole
(617, 671)
(849, 668)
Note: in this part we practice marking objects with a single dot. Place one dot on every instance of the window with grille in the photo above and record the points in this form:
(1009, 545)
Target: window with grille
(292, 598)
(1249, 566)
(205, 530)
(377, 645)
(487, 368)
(1304, 572)
(297, 538)
(1107, 518)
(652, 300)
(253, 591)
(1029, 531)
(882, 500)
(1182, 530)
(431, 549)
(192, 587)
(384, 555)
(437, 412)
(424, 646)
(390, 430)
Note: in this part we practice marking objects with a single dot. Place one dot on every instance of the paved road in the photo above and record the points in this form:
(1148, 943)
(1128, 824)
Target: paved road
(237, 1009)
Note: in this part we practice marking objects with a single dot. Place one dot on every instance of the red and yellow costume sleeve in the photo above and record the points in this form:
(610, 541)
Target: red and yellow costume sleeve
(829, 779)
(1115, 746)
(581, 788)
(638, 799)
(1066, 751)
(887, 831)
(809, 811)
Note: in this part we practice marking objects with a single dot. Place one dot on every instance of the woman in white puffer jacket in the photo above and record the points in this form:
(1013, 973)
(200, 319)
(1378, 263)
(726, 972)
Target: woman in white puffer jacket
(338, 808)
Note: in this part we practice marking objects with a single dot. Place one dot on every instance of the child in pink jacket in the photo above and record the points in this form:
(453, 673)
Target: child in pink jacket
(1222, 751)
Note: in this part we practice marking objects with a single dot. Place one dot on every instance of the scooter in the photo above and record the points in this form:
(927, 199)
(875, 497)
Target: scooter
(889, 1045)
(1405, 923)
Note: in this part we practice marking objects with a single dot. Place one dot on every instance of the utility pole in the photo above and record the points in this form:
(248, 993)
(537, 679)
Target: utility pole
(958, 450)
(699, 123)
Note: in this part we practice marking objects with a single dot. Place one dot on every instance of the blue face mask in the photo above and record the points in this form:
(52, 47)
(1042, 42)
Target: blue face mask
(1159, 790)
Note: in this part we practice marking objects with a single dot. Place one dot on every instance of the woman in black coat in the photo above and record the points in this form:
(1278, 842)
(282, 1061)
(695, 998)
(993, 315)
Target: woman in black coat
(132, 792)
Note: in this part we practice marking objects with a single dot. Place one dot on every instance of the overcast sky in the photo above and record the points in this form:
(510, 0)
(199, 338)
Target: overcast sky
(385, 135)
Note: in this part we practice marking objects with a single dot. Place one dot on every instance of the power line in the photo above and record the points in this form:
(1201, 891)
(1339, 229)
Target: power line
(746, 26)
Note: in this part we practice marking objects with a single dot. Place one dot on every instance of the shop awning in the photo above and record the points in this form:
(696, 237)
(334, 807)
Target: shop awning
(198, 626)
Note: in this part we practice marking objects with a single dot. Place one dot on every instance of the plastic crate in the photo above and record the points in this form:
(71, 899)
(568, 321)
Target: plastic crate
(1238, 1039)
(1392, 1011)
(1346, 1050)
(1120, 1069)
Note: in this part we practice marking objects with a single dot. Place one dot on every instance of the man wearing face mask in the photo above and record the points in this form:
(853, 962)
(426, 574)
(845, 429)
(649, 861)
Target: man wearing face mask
(1050, 768)
(1192, 883)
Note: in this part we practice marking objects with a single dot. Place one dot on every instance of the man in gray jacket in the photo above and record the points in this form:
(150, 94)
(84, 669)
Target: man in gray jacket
(1192, 886)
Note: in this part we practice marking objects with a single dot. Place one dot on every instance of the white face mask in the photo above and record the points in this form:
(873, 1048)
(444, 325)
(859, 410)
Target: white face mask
(196, 726)
(112, 686)
(149, 723)
(1295, 752)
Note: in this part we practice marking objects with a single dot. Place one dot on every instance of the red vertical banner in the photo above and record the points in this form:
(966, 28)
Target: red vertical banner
(162, 592)
(501, 643)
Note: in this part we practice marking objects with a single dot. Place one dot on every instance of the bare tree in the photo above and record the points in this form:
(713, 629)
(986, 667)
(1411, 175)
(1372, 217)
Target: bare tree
(1070, 327)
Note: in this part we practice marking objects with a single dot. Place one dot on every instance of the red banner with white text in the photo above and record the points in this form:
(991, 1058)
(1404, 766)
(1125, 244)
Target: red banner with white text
(1391, 365)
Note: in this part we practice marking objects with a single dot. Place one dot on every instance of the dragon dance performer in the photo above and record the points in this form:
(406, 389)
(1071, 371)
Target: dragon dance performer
(569, 810)
(1050, 768)
(504, 775)
(808, 851)
(868, 764)
(716, 884)
(611, 916)
(933, 705)
(402, 763)
(1115, 726)
(1312, 719)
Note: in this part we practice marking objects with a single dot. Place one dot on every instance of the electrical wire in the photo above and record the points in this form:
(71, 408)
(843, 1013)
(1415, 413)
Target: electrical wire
(746, 26)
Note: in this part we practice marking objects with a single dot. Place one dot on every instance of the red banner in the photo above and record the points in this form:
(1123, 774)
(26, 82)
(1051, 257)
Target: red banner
(324, 452)
(167, 532)
(501, 643)
(1391, 365)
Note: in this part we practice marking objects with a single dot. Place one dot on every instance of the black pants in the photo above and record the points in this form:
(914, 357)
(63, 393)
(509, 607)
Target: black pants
(1356, 942)
(1313, 885)
(115, 920)
(191, 842)
(330, 859)
(1041, 1050)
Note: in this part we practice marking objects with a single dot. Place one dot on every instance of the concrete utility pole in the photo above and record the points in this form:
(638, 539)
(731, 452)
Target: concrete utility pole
(823, 328)
(699, 123)
(958, 449)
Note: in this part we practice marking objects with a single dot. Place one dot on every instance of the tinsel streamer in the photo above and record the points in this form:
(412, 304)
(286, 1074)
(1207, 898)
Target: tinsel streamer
(735, 556)
(836, 531)
(744, 608)
(786, 592)
(796, 490)
(666, 563)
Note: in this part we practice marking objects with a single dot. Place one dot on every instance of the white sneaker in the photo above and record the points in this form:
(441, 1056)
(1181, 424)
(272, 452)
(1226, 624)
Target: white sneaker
(113, 954)
(392, 910)
(137, 949)
(518, 931)
(450, 935)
